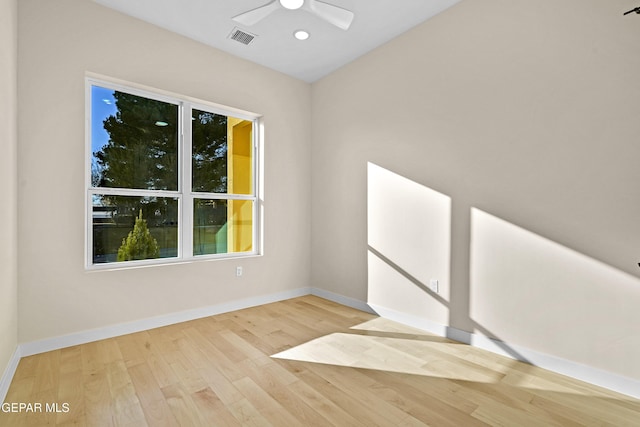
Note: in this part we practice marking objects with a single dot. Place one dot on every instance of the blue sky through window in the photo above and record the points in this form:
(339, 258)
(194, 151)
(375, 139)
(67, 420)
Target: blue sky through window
(103, 105)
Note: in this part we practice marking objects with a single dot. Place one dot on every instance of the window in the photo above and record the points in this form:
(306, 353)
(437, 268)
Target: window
(168, 178)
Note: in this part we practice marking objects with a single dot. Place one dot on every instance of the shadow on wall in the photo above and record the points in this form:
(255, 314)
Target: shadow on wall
(523, 289)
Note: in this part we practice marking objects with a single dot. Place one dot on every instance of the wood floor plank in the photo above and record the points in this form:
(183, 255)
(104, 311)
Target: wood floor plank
(214, 372)
(154, 405)
(307, 362)
(127, 409)
(270, 409)
(426, 398)
(48, 377)
(212, 409)
(248, 415)
(97, 402)
(376, 409)
(276, 382)
(332, 399)
(183, 407)
(71, 387)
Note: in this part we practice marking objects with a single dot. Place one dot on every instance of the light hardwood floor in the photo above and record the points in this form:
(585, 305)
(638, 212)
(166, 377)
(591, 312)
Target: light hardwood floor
(301, 362)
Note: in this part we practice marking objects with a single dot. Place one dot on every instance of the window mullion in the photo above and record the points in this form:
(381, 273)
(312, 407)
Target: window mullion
(187, 199)
(133, 192)
(257, 182)
(224, 196)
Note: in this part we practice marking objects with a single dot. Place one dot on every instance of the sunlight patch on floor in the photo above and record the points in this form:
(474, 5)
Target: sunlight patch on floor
(409, 356)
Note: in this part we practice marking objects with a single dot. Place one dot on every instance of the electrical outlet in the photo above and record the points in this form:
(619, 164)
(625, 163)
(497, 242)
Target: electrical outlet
(238, 271)
(433, 285)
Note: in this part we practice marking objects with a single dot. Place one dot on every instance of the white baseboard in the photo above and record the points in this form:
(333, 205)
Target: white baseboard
(599, 377)
(83, 337)
(413, 321)
(341, 299)
(7, 376)
(608, 380)
(620, 384)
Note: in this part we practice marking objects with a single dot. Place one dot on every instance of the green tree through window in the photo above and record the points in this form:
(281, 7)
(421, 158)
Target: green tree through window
(142, 151)
(139, 244)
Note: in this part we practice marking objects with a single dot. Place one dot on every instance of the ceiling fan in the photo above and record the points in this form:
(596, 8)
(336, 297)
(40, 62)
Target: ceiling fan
(636, 10)
(334, 15)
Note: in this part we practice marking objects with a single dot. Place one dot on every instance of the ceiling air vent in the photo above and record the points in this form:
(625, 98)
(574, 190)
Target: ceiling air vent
(241, 36)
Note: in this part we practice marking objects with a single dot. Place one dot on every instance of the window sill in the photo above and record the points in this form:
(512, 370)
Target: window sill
(128, 265)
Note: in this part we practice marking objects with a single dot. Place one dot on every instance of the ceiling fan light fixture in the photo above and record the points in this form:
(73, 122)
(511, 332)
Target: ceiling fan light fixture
(292, 4)
(334, 15)
(301, 34)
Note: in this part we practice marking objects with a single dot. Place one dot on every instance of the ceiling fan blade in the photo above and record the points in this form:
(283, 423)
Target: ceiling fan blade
(335, 15)
(256, 15)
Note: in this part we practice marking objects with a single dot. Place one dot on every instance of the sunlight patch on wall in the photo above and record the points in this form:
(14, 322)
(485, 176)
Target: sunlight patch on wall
(531, 291)
(409, 239)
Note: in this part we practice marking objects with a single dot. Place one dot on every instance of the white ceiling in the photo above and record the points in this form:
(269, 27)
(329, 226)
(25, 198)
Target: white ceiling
(328, 48)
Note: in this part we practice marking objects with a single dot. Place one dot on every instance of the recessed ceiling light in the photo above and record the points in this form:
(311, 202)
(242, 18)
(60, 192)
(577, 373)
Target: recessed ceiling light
(292, 4)
(301, 34)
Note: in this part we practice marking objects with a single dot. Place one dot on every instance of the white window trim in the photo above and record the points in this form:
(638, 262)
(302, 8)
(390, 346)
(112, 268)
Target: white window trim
(183, 194)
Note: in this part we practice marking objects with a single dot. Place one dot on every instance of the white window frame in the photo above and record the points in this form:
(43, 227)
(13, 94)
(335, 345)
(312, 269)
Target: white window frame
(184, 193)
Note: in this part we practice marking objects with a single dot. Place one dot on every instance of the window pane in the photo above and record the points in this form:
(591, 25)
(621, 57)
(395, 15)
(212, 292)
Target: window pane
(134, 141)
(222, 154)
(222, 226)
(132, 228)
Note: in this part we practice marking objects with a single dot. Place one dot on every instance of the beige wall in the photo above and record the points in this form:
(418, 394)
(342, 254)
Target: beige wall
(59, 42)
(518, 119)
(524, 114)
(8, 178)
